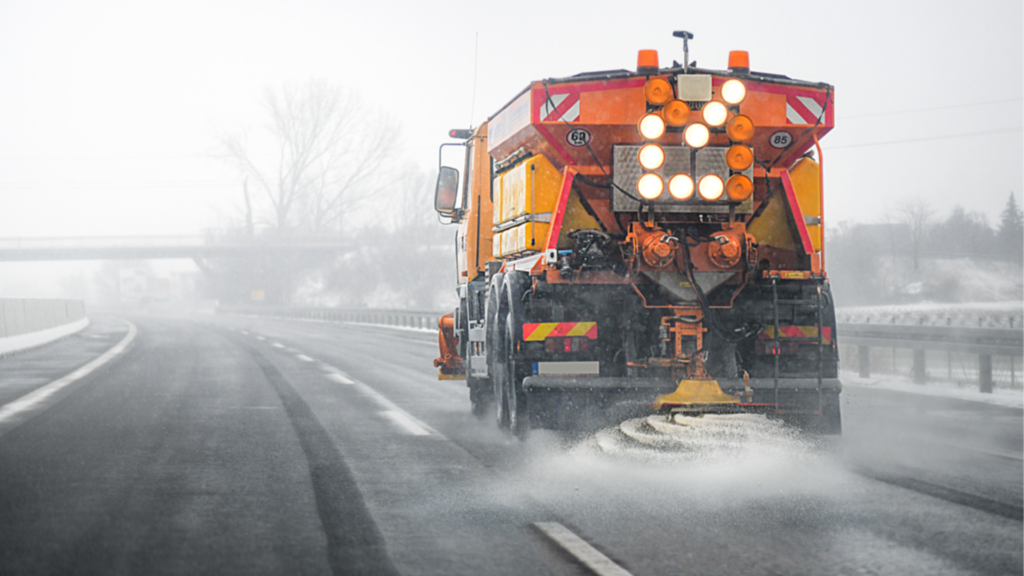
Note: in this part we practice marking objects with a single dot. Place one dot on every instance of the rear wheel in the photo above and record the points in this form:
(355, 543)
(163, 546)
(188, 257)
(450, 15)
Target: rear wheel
(518, 411)
(495, 313)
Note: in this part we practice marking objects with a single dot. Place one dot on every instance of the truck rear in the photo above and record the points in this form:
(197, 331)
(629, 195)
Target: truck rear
(649, 240)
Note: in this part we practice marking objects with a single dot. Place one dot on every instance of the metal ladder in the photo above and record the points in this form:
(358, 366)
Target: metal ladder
(818, 306)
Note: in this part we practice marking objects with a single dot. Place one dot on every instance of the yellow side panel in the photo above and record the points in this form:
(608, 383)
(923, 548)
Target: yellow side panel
(496, 245)
(771, 228)
(576, 218)
(806, 178)
(530, 237)
(508, 242)
(532, 187)
(496, 190)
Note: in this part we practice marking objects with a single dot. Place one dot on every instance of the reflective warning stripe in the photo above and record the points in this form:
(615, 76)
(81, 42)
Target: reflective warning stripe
(560, 107)
(537, 332)
(803, 109)
(796, 332)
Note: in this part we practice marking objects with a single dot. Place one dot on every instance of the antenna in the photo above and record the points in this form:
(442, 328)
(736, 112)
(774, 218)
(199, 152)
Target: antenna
(472, 105)
(686, 48)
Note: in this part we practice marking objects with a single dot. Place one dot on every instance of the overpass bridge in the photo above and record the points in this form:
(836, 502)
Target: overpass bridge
(197, 248)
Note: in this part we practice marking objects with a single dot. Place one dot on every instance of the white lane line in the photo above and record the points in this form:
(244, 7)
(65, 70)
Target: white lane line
(276, 345)
(38, 396)
(245, 333)
(260, 338)
(396, 414)
(339, 378)
(406, 421)
(585, 553)
(304, 358)
(389, 406)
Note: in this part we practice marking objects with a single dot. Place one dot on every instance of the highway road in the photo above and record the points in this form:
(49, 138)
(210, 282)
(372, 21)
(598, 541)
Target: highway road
(241, 445)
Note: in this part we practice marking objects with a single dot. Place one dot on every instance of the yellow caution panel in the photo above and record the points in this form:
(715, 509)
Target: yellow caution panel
(806, 179)
(532, 187)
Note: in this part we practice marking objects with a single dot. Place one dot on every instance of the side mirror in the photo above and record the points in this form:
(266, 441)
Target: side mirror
(447, 191)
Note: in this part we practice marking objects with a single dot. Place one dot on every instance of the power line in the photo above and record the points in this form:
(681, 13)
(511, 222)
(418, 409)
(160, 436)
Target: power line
(114, 157)
(946, 137)
(1017, 99)
(73, 186)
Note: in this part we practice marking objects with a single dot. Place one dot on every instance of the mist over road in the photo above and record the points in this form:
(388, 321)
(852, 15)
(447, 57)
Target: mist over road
(238, 445)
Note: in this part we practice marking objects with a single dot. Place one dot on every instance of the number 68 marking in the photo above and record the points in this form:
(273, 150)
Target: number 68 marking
(578, 137)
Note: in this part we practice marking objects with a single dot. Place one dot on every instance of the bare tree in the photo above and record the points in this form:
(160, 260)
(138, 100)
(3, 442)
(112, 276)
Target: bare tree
(917, 215)
(322, 152)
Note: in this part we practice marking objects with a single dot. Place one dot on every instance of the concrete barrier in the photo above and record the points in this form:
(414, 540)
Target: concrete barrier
(27, 323)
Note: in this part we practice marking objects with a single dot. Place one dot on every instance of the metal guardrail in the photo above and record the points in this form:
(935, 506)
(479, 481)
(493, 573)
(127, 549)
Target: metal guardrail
(382, 316)
(983, 342)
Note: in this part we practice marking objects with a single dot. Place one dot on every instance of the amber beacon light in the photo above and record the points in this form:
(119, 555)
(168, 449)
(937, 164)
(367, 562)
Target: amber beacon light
(647, 62)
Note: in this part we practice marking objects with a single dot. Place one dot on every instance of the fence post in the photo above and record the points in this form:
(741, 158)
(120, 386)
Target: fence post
(920, 374)
(985, 373)
(864, 361)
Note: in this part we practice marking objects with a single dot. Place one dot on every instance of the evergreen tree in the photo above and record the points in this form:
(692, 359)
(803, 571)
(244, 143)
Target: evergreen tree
(1011, 232)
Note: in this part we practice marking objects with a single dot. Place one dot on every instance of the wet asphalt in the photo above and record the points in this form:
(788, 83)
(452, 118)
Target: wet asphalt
(235, 445)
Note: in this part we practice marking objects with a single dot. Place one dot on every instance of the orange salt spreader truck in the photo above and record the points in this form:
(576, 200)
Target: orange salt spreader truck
(644, 241)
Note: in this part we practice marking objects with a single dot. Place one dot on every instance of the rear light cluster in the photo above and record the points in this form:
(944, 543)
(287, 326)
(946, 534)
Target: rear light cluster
(563, 345)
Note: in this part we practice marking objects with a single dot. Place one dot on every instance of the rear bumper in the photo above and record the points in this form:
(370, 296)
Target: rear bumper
(656, 386)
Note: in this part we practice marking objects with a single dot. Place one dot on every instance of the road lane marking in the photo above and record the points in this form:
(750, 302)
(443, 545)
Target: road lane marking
(277, 345)
(406, 421)
(304, 358)
(339, 378)
(396, 414)
(245, 333)
(260, 338)
(585, 553)
(37, 397)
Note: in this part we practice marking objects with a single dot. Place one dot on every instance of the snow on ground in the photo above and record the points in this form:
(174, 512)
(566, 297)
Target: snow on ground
(1005, 314)
(1013, 398)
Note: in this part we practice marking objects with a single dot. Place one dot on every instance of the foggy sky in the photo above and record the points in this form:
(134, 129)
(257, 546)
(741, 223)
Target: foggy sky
(110, 111)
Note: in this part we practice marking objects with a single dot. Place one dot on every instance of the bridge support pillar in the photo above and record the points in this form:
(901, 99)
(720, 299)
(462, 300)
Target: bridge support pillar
(864, 361)
(985, 373)
(920, 373)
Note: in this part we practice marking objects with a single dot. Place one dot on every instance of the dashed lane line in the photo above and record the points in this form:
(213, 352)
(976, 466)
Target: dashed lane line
(304, 358)
(277, 345)
(406, 421)
(23, 408)
(340, 378)
(590, 557)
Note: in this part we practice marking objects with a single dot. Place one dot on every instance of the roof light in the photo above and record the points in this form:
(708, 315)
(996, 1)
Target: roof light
(711, 187)
(739, 157)
(733, 91)
(677, 113)
(680, 187)
(739, 187)
(696, 135)
(658, 91)
(651, 156)
(715, 113)
(739, 61)
(740, 128)
(651, 127)
(650, 186)
(647, 62)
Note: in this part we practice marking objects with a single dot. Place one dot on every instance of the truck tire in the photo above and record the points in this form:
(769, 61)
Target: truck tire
(496, 309)
(518, 409)
(515, 287)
